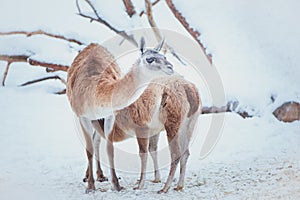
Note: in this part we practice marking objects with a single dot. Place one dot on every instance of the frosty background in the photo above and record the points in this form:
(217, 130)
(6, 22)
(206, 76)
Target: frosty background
(255, 46)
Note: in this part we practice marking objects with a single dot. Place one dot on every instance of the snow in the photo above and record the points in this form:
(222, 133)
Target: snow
(259, 57)
(51, 51)
(254, 46)
(42, 156)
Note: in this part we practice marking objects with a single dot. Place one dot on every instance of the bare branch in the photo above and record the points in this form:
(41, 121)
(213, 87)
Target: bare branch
(44, 79)
(153, 4)
(14, 58)
(64, 91)
(27, 59)
(156, 31)
(102, 21)
(5, 73)
(129, 7)
(194, 33)
(47, 78)
(151, 20)
(40, 32)
(54, 67)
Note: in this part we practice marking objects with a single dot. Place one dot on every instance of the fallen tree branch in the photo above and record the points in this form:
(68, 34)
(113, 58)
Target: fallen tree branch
(129, 7)
(153, 4)
(194, 33)
(56, 77)
(40, 32)
(102, 21)
(229, 107)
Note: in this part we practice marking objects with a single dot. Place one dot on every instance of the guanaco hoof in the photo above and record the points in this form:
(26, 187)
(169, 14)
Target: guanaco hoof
(90, 190)
(136, 188)
(162, 191)
(156, 181)
(102, 190)
(119, 188)
(178, 188)
(101, 179)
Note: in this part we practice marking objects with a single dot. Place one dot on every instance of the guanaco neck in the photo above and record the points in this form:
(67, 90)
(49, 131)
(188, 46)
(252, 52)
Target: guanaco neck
(130, 87)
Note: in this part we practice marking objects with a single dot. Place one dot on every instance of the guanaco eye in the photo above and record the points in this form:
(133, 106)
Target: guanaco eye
(150, 60)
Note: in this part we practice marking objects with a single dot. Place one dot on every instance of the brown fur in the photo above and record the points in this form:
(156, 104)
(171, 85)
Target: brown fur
(193, 98)
(177, 99)
(95, 88)
(117, 134)
(99, 72)
(142, 110)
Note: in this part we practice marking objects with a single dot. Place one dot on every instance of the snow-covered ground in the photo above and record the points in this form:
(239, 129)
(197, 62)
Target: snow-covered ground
(42, 156)
(254, 46)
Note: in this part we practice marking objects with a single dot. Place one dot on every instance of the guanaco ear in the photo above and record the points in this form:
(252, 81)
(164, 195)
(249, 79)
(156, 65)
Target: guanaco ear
(160, 45)
(142, 45)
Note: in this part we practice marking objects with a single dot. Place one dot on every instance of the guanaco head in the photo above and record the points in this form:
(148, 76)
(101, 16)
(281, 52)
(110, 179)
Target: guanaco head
(154, 61)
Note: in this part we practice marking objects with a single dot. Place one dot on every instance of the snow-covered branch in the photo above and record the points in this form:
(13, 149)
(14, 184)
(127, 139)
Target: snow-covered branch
(40, 32)
(194, 33)
(231, 106)
(14, 58)
(25, 58)
(102, 21)
(50, 66)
